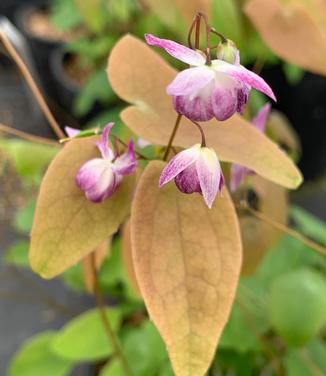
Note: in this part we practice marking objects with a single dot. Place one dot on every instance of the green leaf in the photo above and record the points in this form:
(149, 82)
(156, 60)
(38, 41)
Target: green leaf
(293, 73)
(29, 158)
(84, 337)
(74, 278)
(113, 368)
(166, 370)
(65, 14)
(17, 254)
(288, 255)
(35, 358)
(227, 20)
(308, 361)
(145, 350)
(308, 224)
(234, 363)
(92, 12)
(23, 220)
(297, 305)
(96, 88)
(238, 335)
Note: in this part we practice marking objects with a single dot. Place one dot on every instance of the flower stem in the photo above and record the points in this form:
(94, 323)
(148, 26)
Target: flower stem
(203, 139)
(31, 83)
(279, 226)
(41, 140)
(174, 132)
(140, 155)
(113, 340)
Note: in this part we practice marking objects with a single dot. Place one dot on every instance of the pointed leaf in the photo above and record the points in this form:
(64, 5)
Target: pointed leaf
(66, 225)
(295, 30)
(84, 337)
(187, 260)
(142, 82)
(35, 358)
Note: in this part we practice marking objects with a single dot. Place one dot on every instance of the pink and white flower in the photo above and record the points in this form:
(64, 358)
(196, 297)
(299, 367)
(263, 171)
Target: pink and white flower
(207, 90)
(239, 173)
(196, 169)
(100, 177)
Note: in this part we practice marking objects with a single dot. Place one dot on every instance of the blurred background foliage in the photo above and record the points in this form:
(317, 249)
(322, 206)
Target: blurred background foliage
(277, 325)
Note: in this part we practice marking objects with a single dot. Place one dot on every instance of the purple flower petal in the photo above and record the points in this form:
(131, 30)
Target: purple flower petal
(90, 173)
(103, 145)
(243, 96)
(237, 175)
(246, 76)
(179, 163)
(71, 132)
(197, 109)
(126, 163)
(190, 81)
(187, 181)
(103, 188)
(224, 102)
(176, 50)
(209, 173)
(259, 121)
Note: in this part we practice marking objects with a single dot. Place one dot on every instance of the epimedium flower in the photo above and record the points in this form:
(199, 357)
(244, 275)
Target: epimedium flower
(208, 89)
(239, 173)
(100, 177)
(196, 169)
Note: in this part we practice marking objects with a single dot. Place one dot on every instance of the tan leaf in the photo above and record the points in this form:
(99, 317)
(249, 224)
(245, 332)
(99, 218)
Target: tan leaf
(66, 225)
(294, 30)
(142, 81)
(187, 260)
(127, 257)
(188, 8)
(257, 236)
(99, 254)
(282, 130)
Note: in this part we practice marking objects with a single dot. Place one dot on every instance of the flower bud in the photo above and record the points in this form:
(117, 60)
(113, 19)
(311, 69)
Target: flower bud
(228, 52)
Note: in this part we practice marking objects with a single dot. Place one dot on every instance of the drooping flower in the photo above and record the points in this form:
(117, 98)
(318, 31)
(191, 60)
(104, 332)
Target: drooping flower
(209, 89)
(100, 177)
(196, 169)
(238, 173)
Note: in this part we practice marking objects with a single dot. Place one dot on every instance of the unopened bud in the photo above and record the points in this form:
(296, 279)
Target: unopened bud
(228, 52)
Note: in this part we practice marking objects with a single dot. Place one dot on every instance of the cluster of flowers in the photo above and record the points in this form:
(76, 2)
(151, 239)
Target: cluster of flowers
(207, 89)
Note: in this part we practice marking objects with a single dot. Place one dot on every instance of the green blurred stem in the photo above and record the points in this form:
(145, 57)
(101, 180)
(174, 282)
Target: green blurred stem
(112, 338)
(174, 132)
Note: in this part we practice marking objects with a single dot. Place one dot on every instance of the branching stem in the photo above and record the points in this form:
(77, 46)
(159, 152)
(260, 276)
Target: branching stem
(16, 132)
(113, 340)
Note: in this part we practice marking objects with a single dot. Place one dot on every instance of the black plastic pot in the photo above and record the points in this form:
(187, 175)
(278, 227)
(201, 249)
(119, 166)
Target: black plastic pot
(305, 106)
(8, 7)
(65, 88)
